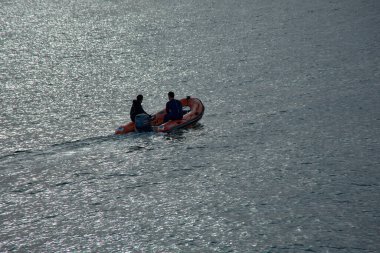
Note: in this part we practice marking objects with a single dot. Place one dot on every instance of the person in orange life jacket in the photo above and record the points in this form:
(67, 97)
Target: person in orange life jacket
(173, 108)
(137, 107)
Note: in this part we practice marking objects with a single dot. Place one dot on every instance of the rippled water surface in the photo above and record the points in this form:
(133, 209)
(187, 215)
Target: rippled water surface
(285, 159)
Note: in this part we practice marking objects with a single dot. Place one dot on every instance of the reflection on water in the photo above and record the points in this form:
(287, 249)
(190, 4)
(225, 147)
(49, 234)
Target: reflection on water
(284, 159)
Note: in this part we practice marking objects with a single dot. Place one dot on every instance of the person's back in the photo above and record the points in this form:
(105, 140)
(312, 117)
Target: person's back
(173, 108)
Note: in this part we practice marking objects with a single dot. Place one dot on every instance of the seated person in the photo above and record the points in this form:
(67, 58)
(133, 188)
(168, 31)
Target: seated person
(173, 108)
(137, 107)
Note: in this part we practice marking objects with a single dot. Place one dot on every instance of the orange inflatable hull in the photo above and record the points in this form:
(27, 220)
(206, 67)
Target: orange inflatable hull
(189, 119)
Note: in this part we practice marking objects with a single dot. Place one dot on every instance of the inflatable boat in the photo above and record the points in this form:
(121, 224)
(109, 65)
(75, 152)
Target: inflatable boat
(193, 111)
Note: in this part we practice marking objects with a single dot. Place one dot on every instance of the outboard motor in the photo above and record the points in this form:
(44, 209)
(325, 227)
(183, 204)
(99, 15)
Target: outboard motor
(142, 123)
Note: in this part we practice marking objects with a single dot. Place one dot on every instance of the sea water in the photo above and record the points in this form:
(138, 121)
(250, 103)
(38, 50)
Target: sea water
(285, 158)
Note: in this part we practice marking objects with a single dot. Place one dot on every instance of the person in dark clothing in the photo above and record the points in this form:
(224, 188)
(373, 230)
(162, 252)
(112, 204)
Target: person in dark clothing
(137, 107)
(173, 108)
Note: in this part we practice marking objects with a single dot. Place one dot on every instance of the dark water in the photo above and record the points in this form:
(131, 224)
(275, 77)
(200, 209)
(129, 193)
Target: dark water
(285, 159)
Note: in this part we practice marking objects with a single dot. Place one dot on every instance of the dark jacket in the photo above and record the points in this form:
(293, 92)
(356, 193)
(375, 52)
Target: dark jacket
(174, 109)
(136, 109)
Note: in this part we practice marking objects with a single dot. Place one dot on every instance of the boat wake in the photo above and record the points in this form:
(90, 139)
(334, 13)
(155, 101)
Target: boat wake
(72, 147)
(57, 148)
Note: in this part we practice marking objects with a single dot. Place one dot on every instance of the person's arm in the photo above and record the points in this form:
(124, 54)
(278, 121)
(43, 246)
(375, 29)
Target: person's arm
(139, 109)
(142, 109)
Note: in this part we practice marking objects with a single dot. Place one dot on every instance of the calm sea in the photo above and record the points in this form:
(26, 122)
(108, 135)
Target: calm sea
(285, 159)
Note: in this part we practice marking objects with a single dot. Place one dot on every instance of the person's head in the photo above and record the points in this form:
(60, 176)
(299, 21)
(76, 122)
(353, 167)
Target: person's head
(171, 95)
(140, 98)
